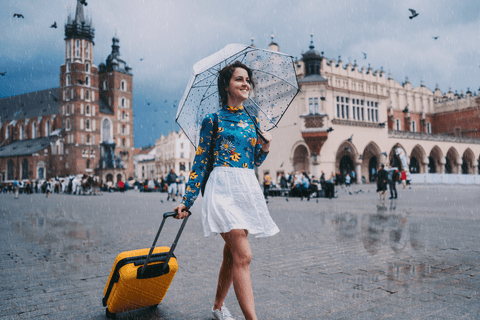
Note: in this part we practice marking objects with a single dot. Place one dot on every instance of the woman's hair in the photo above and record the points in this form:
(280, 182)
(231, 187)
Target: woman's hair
(224, 77)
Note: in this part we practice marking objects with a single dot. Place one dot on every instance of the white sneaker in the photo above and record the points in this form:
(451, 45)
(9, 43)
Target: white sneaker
(222, 314)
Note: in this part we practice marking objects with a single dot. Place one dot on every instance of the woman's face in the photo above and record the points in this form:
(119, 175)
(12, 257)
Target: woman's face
(238, 88)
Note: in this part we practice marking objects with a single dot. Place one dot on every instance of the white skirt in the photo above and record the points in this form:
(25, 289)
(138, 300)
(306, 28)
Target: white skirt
(234, 200)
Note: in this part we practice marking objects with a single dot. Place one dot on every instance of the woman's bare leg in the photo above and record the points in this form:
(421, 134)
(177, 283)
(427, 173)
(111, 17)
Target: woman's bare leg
(236, 271)
(225, 278)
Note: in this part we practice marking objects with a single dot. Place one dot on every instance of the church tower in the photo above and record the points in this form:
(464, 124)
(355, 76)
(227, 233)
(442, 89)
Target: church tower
(79, 96)
(116, 94)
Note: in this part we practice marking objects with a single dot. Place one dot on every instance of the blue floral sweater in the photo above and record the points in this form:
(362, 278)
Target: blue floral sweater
(236, 146)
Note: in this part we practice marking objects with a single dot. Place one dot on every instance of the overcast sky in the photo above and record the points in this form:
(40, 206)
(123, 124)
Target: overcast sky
(170, 36)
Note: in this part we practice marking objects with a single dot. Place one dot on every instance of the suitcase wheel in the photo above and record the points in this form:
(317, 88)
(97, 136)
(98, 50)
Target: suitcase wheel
(153, 307)
(109, 315)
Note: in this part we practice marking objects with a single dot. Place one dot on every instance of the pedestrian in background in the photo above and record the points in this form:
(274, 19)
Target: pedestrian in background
(233, 205)
(392, 183)
(16, 189)
(172, 185)
(382, 179)
(404, 179)
(347, 179)
(267, 180)
(181, 185)
(305, 186)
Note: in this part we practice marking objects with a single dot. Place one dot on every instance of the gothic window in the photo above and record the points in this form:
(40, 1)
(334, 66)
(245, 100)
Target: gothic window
(78, 48)
(310, 105)
(397, 125)
(25, 169)
(88, 139)
(105, 86)
(87, 124)
(88, 163)
(123, 129)
(123, 102)
(47, 128)
(123, 142)
(87, 95)
(315, 105)
(123, 115)
(34, 130)
(22, 132)
(429, 128)
(87, 110)
(68, 124)
(414, 126)
(124, 86)
(87, 81)
(68, 66)
(68, 81)
(87, 66)
(106, 130)
(10, 170)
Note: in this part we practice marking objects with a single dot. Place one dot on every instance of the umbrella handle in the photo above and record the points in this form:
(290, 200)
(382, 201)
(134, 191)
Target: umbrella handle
(261, 135)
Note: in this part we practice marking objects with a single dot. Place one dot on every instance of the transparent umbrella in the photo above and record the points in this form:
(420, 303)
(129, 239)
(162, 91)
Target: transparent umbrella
(275, 87)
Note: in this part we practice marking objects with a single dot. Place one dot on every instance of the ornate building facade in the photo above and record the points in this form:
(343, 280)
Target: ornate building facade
(173, 151)
(349, 118)
(83, 127)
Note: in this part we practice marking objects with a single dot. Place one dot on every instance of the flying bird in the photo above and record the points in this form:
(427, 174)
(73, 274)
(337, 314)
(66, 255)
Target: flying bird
(80, 81)
(406, 109)
(54, 25)
(148, 103)
(3, 73)
(141, 59)
(384, 153)
(330, 129)
(350, 139)
(435, 38)
(414, 13)
(84, 2)
(322, 98)
(364, 55)
(18, 15)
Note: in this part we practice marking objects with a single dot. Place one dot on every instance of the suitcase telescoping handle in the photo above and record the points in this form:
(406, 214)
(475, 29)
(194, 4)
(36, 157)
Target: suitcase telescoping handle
(172, 248)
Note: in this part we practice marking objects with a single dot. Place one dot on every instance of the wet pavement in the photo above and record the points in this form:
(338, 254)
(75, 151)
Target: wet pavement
(352, 257)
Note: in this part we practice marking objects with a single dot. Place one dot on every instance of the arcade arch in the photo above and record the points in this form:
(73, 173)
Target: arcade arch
(451, 161)
(300, 159)
(468, 162)
(435, 160)
(370, 161)
(345, 158)
(418, 160)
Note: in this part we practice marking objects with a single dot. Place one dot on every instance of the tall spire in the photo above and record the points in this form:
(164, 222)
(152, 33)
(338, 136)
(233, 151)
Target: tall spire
(79, 17)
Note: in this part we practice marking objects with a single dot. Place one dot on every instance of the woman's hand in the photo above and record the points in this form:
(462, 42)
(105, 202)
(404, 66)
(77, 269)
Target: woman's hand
(265, 145)
(181, 211)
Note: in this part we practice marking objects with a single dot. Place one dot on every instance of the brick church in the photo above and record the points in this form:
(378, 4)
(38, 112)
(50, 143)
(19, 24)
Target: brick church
(85, 126)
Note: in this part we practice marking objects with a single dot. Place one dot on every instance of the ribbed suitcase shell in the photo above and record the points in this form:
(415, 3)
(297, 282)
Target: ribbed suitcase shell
(130, 293)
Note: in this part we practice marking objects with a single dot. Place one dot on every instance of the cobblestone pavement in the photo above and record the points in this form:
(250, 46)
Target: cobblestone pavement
(352, 257)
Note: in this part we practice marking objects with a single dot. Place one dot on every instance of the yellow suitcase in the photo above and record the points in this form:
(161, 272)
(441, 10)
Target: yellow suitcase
(141, 278)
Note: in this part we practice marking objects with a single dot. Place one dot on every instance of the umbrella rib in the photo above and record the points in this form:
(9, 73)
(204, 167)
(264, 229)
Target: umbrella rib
(266, 115)
(277, 77)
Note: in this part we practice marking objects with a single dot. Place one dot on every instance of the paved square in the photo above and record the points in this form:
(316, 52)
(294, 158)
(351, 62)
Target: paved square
(352, 257)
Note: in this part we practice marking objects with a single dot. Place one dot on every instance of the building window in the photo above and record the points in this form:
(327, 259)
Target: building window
(67, 124)
(87, 124)
(47, 128)
(397, 125)
(123, 142)
(123, 129)
(310, 105)
(87, 95)
(315, 105)
(87, 66)
(123, 102)
(123, 115)
(429, 128)
(68, 81)
(67, 67)
(105, 86)
(22, 132)
(124, 86)
(338, 110)
(87, 82)
(414, 126)
(87, 110)
(88, 163)
(88, 139)
(34, 130)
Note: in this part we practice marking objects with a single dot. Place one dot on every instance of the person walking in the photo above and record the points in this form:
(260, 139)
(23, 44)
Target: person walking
(403, 175)
(233, 204)
(172, 185)
(347, 179)
(16, 188)
(392, 183)
(382, 179)
(305, 186)
(181, 185)
(267, 180)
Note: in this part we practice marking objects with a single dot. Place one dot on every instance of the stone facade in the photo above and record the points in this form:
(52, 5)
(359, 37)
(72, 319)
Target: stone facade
(91, 114)
(349, 118)
(173, 151)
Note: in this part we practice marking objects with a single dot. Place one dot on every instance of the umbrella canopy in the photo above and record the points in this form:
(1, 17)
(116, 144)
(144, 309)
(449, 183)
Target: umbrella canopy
(275, 87)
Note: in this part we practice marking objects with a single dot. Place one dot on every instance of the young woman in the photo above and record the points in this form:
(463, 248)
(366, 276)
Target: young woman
(233, 204)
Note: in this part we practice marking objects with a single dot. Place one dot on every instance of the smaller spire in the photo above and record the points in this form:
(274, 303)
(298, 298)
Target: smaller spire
(252, 44)
(421, 83)
(311, 42)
